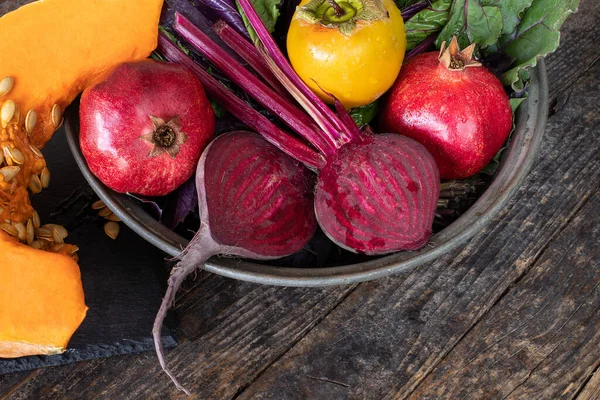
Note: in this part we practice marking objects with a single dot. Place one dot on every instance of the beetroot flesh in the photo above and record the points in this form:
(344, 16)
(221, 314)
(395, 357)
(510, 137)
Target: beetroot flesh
(379, 195)
(255, 202)
(262, 201)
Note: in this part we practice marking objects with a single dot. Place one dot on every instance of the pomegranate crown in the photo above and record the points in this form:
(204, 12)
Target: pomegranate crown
(456, 60)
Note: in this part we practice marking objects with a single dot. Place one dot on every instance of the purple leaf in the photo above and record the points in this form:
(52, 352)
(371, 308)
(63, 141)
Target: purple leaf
(179, 204)
(154, 208)
(413, 9)
(225, 10)
(196, 15)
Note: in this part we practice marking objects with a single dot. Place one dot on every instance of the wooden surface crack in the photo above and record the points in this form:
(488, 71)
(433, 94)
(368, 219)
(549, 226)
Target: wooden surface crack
(243, 388)
(328, 381)
(562, 98)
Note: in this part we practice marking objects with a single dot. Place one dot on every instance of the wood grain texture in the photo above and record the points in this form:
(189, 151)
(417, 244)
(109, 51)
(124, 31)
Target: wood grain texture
(520, 287)
(591, 391)
(542, 340)
(576, 54)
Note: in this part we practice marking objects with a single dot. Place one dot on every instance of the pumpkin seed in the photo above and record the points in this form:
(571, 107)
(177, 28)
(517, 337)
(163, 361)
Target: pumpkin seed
(36, 244)
(16, 155)
(10, 229)
(57, 116)
(99, 204)
(35, 217)
(36, 151)
(7, 112)
(43, 233)
(34, 184)
(45, 177)
(30, 231)
(17, 116)
(61, 230)
(6, 85)
(30, 121)
(9, 172)
(57, 237)
(13, 187)
(112, 229)
(7, 157)
(105, 212)
(22, 231)
(113, 217)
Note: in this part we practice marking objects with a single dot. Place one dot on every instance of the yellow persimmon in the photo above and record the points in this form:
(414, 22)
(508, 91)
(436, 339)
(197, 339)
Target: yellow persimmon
(352, 49)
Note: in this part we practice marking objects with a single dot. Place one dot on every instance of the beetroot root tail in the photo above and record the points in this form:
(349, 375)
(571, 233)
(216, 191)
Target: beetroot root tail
(177, 277)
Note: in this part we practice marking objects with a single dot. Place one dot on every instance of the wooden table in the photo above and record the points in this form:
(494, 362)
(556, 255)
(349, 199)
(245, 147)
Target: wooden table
(513, 314)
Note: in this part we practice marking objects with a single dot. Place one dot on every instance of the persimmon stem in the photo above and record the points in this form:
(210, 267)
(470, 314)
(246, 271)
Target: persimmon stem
(339, 11)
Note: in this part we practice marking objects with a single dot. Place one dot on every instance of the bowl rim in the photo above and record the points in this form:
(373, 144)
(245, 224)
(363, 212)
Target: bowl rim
(516, 162)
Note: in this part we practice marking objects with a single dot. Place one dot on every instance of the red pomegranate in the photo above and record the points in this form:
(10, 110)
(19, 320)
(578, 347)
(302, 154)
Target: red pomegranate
(143, 128)
(453, 106)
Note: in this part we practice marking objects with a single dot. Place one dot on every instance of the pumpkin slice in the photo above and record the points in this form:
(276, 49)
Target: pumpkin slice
(42, 300)
(53, 49)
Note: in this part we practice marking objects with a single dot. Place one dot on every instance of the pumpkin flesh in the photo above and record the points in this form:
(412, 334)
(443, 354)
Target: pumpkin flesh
(53, 49)
(59, 47)
(42, 300)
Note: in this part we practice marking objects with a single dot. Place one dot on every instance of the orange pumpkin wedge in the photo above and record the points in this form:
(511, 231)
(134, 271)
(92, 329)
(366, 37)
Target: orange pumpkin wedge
(53, 49)
(50, 50)
(41, 300)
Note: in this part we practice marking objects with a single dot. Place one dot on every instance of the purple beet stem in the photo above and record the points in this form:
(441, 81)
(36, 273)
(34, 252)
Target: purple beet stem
(255, 120)
(288, 113)
(338, 133)
(244, 49)
(197, 252)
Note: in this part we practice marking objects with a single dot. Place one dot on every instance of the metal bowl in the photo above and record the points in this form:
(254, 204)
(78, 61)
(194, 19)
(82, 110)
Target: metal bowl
(516, 163)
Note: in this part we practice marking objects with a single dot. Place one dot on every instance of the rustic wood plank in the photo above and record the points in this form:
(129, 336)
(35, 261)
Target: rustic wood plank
(577, 52)
(591, 391)
(391, 334)
(542, 340)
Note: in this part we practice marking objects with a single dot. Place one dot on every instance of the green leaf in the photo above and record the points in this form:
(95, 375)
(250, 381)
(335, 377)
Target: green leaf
(536, 36)
(173, 39)
(512, 11)
(426, 22)
(515, 103)
(218, 109)
(156, 56)
(473, 21)
(364, 114)
(268, 10)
